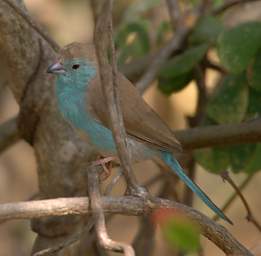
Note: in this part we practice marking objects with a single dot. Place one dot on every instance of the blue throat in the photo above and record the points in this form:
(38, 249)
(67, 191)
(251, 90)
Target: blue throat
(72, 104)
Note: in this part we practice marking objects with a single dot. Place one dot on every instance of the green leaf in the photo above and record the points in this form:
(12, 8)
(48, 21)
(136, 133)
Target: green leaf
(184, 62)
(254, 104)
(133, 47)
(214, 160)
(207, 30)
(175, 84)
(229, 103)
(240, 156)
(254, 164)
(238, 46)
(254, 73)
(182, 234)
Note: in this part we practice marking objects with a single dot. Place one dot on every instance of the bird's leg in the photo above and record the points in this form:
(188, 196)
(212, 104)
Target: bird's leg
(106, 164)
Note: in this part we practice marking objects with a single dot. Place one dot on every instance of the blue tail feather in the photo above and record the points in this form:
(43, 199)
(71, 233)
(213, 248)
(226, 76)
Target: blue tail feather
(175, 166)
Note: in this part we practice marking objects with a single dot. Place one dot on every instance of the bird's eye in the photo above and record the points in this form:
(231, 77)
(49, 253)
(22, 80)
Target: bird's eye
(75, 66)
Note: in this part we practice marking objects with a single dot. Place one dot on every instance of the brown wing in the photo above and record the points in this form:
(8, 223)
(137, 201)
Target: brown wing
(141, 122)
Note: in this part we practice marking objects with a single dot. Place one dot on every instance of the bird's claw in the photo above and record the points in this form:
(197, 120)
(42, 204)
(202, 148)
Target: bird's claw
(106, 164)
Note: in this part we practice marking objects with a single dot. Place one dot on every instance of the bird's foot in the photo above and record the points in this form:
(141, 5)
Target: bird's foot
(106, 164)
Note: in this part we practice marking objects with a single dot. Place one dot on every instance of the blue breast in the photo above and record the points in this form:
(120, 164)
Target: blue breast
(72, 104)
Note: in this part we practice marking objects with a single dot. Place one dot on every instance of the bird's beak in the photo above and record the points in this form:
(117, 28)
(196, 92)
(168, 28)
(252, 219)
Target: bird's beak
(56, 68)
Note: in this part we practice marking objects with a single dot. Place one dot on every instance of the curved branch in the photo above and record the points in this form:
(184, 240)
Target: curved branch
(122, 205)
(97, 211)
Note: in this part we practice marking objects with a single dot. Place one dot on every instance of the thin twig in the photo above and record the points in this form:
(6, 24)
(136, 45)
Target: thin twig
(159, 58)
(181, 33)
(174, 12)
(230, 3)
(212, 65)
(232, 198)
(128, 205)
(32, 24)
(98, 214)
(73, 240)
(250, 217)
(113, 182)
(108, 76)
(144, 241)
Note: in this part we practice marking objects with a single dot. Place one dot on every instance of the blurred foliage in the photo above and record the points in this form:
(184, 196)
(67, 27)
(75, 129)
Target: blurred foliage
(229, 103)
(137, 8)
(237, 94)
(207, 30)
(177, 72)
(132, 40)
(182, 234)
(179, 231)
(238, 46)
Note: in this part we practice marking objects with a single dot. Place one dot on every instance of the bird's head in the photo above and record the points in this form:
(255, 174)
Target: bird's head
(75, 73)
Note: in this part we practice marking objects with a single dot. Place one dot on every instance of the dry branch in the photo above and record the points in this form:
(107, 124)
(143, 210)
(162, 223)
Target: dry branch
(122, 205)
(99, 218)
(250, 216)
(221, 135)
(232, 198)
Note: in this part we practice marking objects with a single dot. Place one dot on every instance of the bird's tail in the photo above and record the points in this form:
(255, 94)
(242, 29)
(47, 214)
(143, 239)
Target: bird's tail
(168, 158)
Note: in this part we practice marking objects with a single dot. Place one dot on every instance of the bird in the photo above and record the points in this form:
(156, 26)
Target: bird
(81, 102)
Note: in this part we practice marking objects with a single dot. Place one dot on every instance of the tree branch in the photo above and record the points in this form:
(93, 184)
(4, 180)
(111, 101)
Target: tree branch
(123, 205)
(108, 76)
(99, 218)
(220, 135)
(35, 26)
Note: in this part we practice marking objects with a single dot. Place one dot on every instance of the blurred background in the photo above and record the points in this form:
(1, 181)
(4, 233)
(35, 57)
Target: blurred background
(69, 21)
